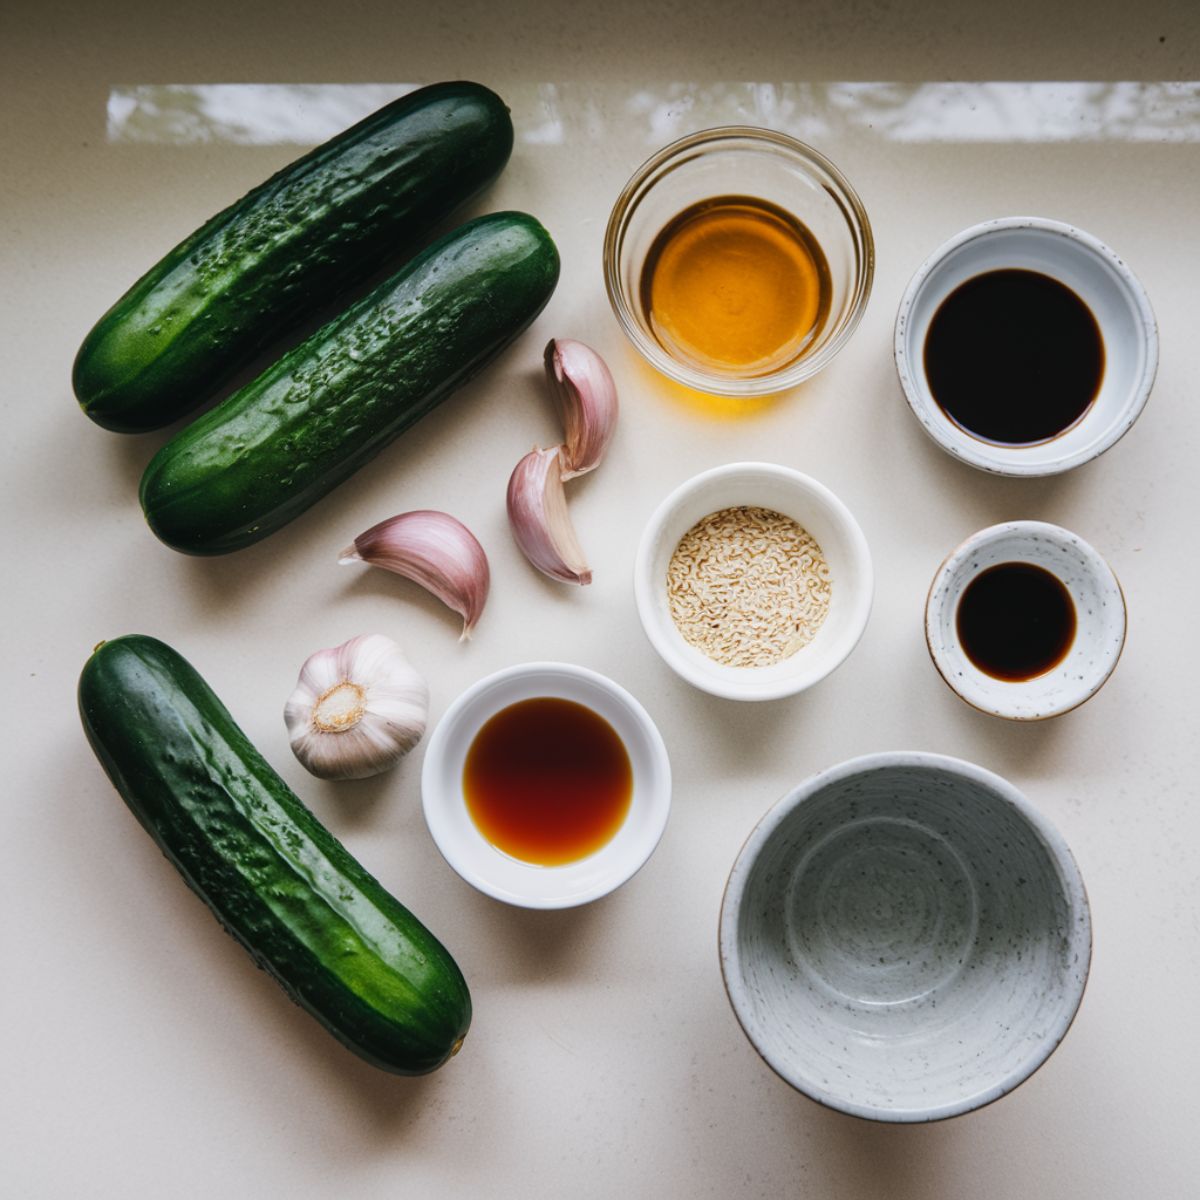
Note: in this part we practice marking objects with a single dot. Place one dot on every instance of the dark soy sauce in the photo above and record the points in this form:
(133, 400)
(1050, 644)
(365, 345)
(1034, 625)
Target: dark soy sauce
(1014, 357)
(1016, 621)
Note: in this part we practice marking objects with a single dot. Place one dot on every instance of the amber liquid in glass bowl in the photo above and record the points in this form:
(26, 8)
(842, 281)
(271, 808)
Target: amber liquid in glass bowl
(737, 285)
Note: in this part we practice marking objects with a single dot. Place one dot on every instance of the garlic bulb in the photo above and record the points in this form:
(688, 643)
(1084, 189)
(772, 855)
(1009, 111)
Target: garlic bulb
(434, 550)
(586, 398)
(357, 709)
(537, 512)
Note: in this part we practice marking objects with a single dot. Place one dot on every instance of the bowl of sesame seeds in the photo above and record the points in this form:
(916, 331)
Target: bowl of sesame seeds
(753, 581)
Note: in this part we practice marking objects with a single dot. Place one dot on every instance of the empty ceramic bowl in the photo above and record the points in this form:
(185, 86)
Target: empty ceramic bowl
(1086, 268)
(818, 511)
(905, 937)
(1075, 666)
(483, 863)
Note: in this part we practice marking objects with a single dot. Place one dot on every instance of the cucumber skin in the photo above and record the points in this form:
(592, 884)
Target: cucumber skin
(244, 469)
(256, 269)
(343, 948)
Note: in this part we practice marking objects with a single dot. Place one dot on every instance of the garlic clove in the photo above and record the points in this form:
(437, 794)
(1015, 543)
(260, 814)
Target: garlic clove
(434, 550)
(357, 709)
(586, 398)
(537, 512)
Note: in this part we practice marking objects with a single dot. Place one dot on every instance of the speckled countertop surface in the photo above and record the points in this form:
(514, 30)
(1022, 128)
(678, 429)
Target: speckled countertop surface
(144, 1055)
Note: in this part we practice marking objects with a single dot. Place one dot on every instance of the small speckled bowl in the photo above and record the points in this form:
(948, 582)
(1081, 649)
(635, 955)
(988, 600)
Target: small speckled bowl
(905, 937)
(1099, 620)
(1094, 273)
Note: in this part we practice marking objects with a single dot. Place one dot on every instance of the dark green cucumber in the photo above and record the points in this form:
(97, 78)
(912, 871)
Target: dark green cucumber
(277, 255)
(342, 947)
(245, 468)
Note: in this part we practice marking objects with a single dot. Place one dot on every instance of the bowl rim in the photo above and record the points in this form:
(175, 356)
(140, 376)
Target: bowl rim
(645, 589)
(1075, 892)
(953, 562)
(978, 453)
(440, 746)
(844, 195)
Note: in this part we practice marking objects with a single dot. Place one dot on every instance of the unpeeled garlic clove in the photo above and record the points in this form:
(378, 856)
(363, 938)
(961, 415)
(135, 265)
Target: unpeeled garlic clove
(586, 398)
(357, 709)
(435, 550)
(537, 512)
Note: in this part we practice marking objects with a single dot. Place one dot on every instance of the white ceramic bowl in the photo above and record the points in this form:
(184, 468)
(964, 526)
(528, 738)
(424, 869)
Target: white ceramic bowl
(905, 937)
(525, 884)
(1091, 270)
(814, 507)
(1099, 620)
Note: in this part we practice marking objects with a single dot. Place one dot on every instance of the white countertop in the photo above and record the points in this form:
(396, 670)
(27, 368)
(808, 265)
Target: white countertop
(145, 1055)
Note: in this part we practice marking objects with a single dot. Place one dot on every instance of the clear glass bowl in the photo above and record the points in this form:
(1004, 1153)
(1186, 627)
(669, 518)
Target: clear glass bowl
(745, 161)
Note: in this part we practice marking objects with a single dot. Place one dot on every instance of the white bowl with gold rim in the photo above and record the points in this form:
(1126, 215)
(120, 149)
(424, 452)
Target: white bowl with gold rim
(528, 884)
(811, 505)
(1095, 646)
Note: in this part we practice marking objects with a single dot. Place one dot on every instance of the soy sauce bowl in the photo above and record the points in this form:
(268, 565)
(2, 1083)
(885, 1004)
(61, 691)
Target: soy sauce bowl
(510, 879)
(1091, 270)
(1100, 621)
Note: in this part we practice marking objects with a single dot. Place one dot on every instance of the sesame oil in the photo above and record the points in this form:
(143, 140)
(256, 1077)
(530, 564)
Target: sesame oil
(737, 285)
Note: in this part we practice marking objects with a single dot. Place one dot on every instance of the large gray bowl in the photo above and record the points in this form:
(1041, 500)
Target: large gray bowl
(905, 938)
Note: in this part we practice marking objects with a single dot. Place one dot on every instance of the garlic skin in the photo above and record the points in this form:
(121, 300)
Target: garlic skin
(537, 512)
(358, 708)
(586, 398)
(434, 550)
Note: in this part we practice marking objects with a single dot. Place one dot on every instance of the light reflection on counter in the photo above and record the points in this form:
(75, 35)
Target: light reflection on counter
(246, 114)
(561, 113)
(646, 380)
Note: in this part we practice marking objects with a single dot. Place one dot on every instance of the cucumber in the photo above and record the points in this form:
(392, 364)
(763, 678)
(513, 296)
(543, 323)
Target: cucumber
(261, 457)
(342, 947)
(277, 255)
